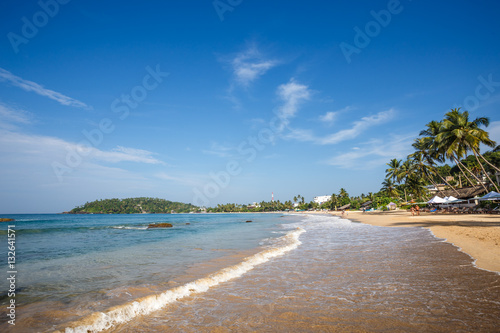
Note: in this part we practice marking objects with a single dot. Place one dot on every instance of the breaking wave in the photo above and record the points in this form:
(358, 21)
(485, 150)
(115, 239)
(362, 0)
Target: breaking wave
(100, 321)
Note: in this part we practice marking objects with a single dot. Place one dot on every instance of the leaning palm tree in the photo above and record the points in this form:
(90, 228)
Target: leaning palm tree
(462, 135)
(424, 161)
(423, 168)
(439, 148)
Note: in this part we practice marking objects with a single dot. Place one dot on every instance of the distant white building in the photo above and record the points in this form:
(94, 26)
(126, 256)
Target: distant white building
(254, 205)
(322, 199)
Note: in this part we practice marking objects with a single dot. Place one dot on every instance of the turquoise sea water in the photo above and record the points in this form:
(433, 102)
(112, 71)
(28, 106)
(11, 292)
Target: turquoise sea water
(92, 260)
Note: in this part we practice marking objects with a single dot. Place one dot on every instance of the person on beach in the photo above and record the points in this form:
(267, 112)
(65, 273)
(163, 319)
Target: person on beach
(417, 208)
(343, 212)
(412, 209)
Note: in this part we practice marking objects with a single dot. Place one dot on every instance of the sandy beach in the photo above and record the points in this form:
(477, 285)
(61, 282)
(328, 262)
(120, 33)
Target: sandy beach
(478, 235)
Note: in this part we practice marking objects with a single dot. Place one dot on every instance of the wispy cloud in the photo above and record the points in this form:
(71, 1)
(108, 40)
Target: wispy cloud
(26, 85)
(375, 152)
(47, 147)
(249, 65)
(10, 117)
(328, 117)
(219, 150)
(358, 127)
(292, 94)
(331, 116)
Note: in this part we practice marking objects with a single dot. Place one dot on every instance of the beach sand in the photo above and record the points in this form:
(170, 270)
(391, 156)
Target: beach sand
(478, 235)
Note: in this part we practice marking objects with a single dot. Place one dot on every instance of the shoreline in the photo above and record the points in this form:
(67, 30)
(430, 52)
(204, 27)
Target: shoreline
(477, 235)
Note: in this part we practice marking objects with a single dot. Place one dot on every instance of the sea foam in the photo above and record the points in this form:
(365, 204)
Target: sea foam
(100, 321)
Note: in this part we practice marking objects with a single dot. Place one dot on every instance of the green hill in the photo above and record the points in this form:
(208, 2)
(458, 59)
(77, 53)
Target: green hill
(133, 206)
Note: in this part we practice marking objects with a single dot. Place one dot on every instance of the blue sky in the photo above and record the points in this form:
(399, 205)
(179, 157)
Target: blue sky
(227, 101)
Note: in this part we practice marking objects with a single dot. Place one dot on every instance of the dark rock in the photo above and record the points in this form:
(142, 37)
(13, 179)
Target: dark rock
(248, 221)
(160, 225)
(187, 223)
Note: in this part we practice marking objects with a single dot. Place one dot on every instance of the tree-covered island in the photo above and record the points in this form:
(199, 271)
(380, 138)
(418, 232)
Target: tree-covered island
(133, 206)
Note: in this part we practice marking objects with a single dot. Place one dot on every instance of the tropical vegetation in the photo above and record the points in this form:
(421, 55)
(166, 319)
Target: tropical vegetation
(456, 138)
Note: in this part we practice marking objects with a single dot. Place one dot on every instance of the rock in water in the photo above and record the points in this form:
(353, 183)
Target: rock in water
(5, 219)
(160, 225)
(248, 221)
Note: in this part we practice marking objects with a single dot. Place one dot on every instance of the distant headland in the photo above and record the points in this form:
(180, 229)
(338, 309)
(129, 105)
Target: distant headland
(133, 206)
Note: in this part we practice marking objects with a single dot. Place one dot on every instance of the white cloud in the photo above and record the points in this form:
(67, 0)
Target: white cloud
(303, 135)
(331, 116)
(358, 127)
(328, 117)
(292, 93)
(249, 65)
(40, 90)
(375, 153)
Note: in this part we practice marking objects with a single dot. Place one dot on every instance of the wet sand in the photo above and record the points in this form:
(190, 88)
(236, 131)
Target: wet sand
(478, 235)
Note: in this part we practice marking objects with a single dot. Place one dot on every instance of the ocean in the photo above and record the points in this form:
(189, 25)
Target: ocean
(220, 273)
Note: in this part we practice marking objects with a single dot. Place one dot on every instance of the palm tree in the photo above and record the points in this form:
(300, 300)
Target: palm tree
(343, 197)
(389, 188)
(394, 169)
(405, 170)
(424, 164)
(460, 135)
(433, 143)
(416, 186)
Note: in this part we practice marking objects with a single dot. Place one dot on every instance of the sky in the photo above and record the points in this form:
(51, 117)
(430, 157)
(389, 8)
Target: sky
(228, 101)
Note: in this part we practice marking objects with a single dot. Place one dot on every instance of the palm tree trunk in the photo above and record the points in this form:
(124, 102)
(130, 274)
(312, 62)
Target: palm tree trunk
(444, 180)
(484, 171)
(477, 179)
(491, 165)
(452, 187)
(434, 184)
(463, 172)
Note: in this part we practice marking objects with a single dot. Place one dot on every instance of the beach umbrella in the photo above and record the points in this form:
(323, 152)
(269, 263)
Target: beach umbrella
(491, 196)
(391, 206)
(451, 199)
(436, 200)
